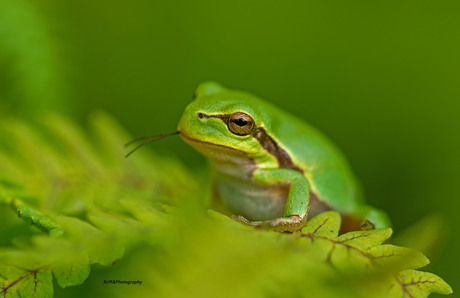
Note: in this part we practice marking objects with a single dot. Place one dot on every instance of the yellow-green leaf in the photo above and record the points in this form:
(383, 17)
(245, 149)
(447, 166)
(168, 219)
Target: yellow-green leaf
(413, 283)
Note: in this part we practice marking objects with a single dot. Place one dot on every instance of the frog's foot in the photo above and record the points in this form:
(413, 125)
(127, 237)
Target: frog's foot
(367, 225)
(282, 224)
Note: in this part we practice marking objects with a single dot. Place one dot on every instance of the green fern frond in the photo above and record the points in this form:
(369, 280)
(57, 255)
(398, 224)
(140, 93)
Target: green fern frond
(80, 202)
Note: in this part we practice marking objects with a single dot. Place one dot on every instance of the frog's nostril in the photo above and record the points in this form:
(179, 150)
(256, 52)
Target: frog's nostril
(202, 115)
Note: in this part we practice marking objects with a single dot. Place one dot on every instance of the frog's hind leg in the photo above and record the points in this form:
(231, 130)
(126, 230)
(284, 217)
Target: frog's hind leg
(363, 217)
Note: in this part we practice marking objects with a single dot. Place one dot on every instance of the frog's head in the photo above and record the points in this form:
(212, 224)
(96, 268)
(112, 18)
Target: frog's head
(222, 122)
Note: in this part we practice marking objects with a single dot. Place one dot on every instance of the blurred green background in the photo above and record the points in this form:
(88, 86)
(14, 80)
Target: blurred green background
(381, 79)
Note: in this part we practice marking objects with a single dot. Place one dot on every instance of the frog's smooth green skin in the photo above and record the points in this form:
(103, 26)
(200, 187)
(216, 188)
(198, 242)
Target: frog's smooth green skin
(270, 168)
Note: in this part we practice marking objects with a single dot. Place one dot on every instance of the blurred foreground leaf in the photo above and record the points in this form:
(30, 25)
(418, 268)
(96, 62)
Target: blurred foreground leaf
(80, 203)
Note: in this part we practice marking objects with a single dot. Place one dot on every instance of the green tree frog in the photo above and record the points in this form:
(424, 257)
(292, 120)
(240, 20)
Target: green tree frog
(271, 169)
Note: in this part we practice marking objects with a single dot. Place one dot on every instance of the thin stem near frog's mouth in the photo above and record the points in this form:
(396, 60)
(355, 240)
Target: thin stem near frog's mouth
(149, 139)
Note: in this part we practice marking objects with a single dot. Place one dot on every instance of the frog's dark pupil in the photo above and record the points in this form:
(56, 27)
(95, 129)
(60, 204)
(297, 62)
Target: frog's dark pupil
(240, 122)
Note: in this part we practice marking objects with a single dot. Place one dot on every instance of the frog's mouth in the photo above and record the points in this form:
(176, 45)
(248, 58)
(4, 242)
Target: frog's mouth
(200, 144)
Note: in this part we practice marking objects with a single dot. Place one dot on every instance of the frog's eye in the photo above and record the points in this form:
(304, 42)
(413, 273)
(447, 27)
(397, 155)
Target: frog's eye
(240, 123)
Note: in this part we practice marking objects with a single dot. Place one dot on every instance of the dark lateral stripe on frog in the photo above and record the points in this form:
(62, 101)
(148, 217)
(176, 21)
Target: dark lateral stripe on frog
(223, 117)
(284, 160)
(260, 134)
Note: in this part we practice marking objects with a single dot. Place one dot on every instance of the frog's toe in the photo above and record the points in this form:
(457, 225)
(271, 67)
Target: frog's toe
(282, 224)
(244, 220)
(239, 218)
(288, 224)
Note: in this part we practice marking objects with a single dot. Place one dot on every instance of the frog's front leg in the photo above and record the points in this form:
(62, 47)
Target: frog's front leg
(295, 212)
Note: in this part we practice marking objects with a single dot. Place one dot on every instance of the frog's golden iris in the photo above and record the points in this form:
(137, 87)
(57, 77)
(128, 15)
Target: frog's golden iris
(240, 123)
